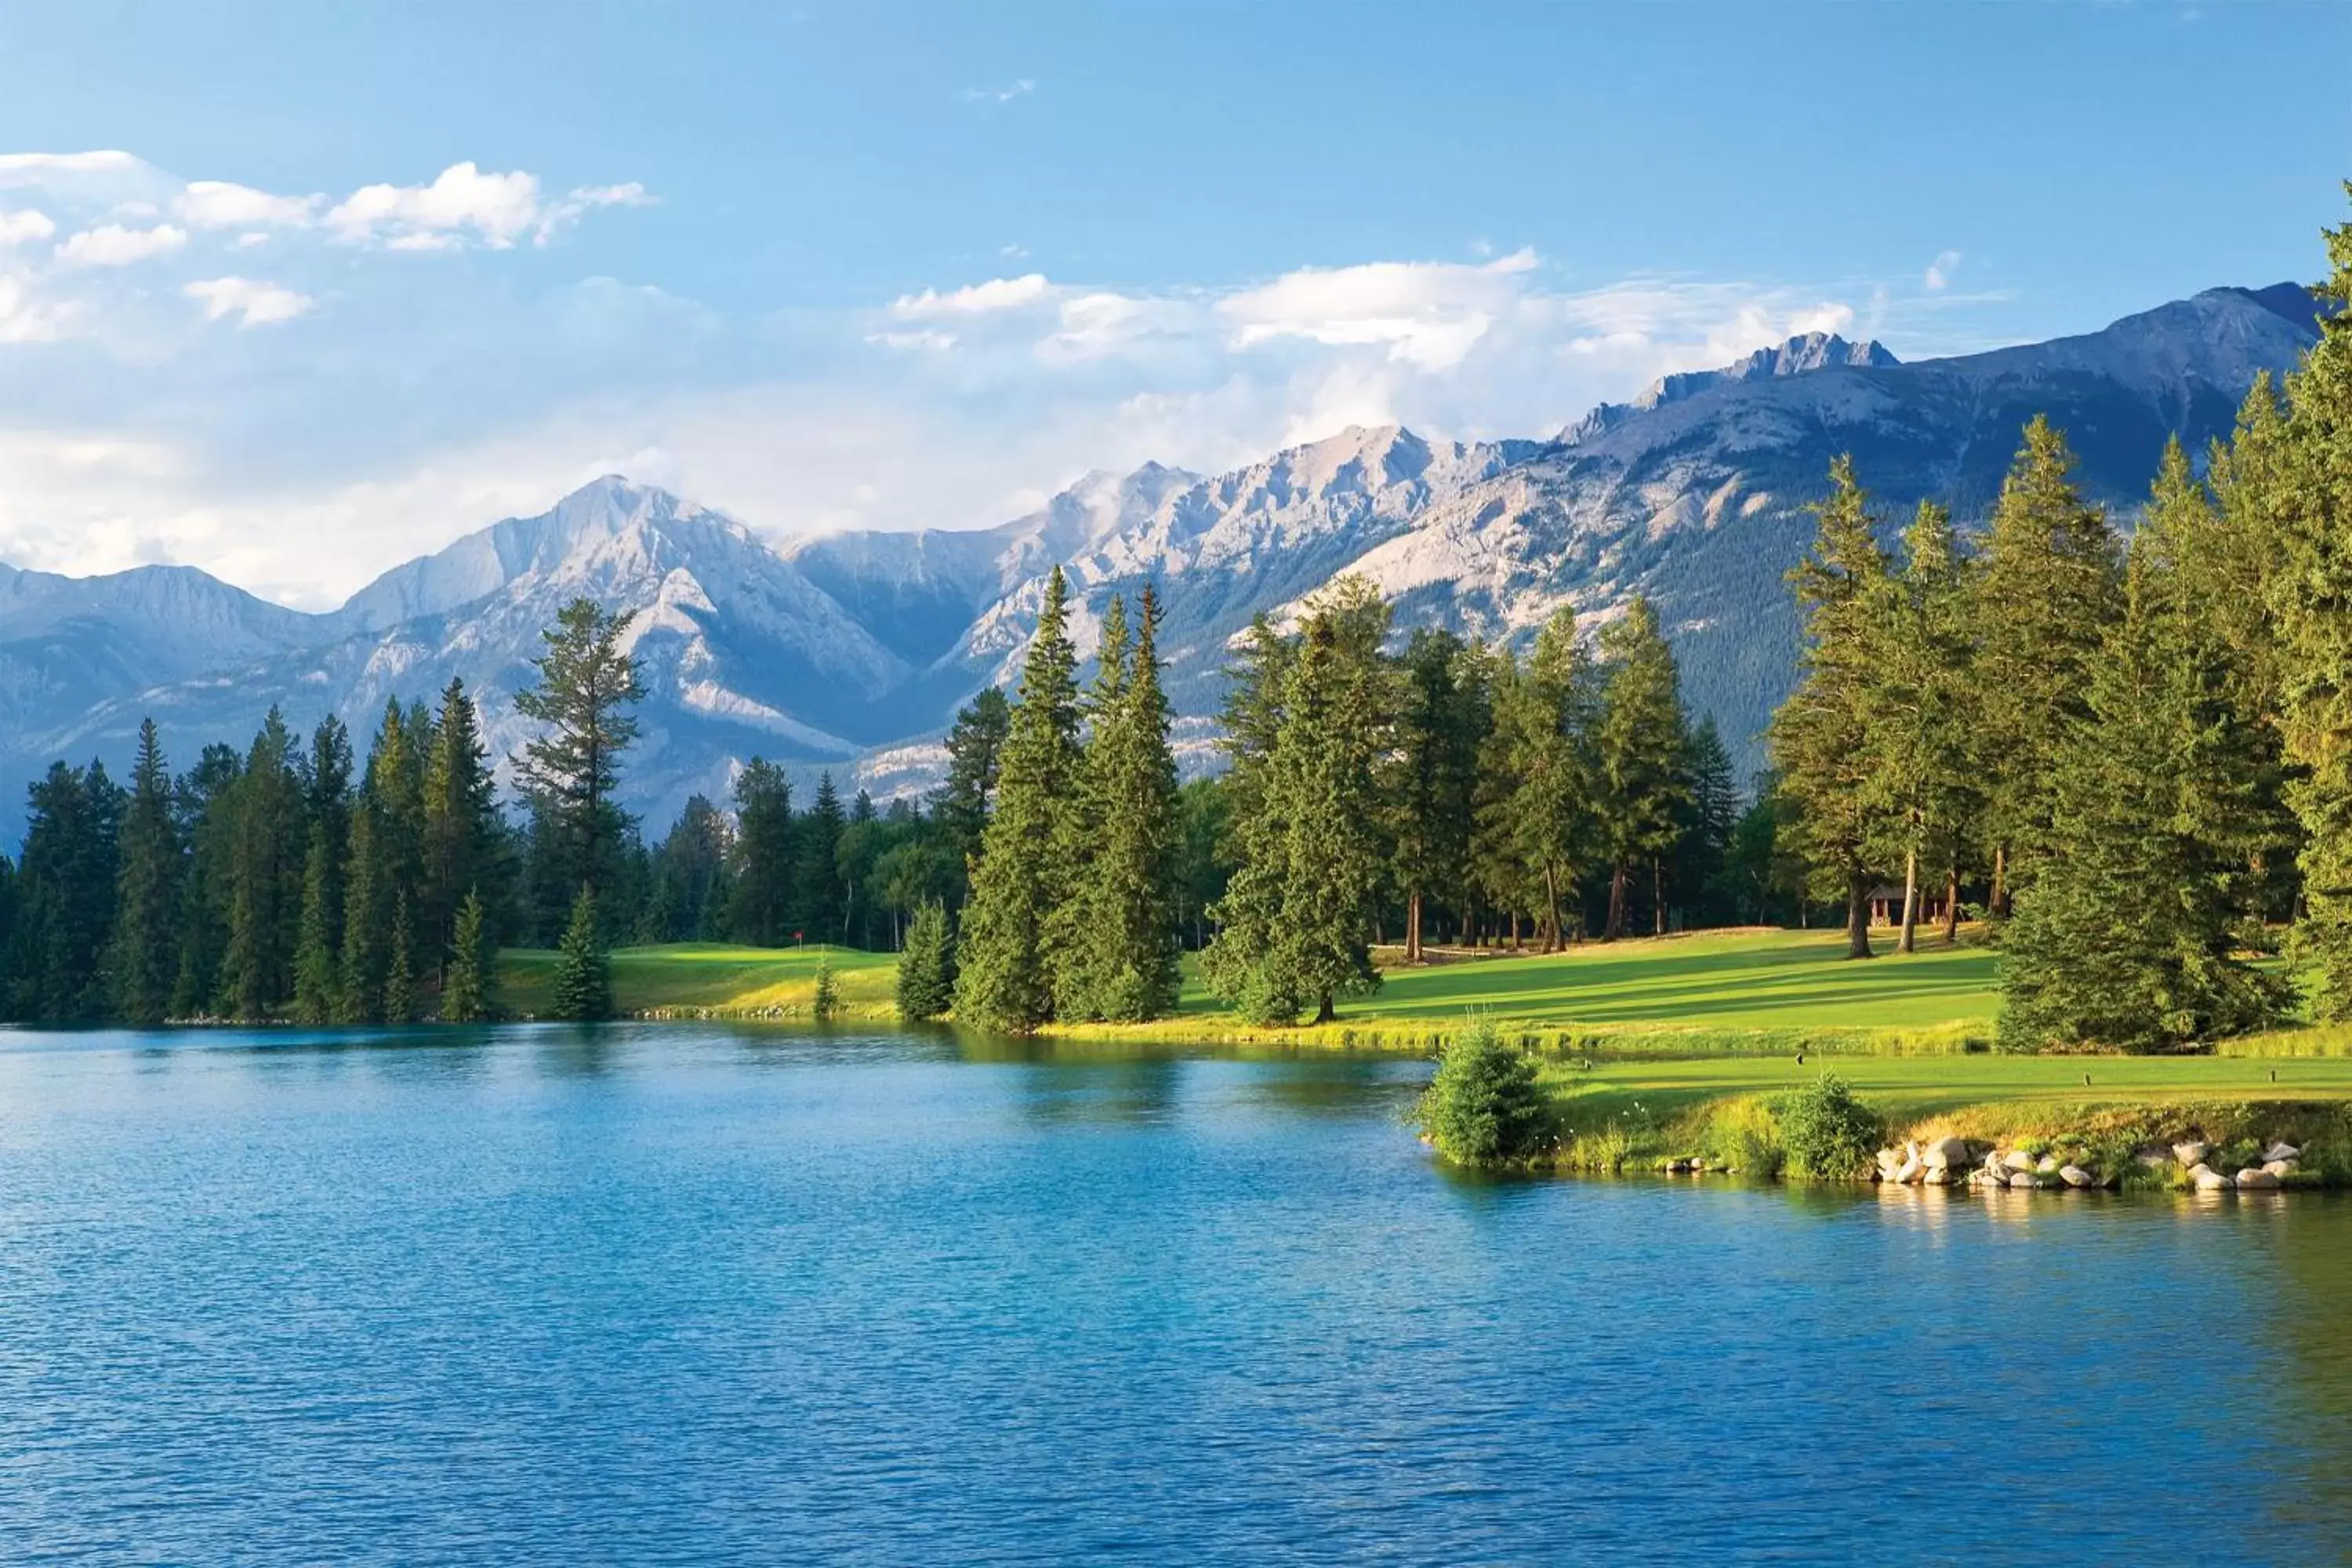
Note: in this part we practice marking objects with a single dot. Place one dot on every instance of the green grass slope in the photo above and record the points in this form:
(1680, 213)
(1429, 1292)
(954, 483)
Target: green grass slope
(708, 978)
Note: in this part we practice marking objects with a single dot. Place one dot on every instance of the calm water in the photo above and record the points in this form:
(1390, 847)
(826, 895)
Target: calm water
(716, 1297)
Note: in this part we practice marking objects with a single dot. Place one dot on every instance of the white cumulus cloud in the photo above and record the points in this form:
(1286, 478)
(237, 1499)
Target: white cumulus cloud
(255, 304)
(1425, 313)
(975, 299)
(111, 244)
(465, 202)
(26, 228)
(220, 204)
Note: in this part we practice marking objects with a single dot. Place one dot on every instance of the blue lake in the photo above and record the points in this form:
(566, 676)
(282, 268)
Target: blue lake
(713, 1296)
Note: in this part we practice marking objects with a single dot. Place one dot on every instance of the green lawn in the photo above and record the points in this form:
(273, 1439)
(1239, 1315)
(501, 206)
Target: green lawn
(698, 976)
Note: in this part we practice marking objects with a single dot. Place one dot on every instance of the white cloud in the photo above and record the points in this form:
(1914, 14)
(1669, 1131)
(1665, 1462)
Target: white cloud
(1940, 271)
(1426, 313)
(25, 228)
(497, 210)
(256, 304)
(218, 204)
(111, 244)
(1005, 94)
(27, 168)
(976, 300)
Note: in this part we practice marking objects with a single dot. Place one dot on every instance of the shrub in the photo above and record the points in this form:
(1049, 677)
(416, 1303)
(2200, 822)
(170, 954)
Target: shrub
(1484, 1107)
(927, 969)
(1826, 1131)
(828, 1002)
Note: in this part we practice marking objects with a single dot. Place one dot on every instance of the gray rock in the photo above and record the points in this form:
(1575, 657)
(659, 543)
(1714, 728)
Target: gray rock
(2018, 1160)
(2023, 1181)
(2281, 1152)
(1936, 1175)
(2258, 1180)
(2282, 1169)
(2076, 1177)
(2190, 1154)
(2048, 1167)
(1909, 1172)
(2206, 1179)
(1945, 1153)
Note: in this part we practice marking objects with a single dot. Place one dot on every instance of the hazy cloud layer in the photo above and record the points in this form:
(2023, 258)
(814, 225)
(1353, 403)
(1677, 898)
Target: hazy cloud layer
(296, 391)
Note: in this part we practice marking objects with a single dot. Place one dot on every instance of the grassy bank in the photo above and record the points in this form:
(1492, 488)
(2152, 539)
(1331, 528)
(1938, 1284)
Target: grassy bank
(704, 979)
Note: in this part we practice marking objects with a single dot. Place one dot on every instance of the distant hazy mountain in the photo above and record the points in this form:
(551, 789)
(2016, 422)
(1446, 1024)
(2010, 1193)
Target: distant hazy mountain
(850, 650)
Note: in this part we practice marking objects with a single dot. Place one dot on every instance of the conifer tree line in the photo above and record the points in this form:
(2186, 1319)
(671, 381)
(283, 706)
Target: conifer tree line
(2132, 755)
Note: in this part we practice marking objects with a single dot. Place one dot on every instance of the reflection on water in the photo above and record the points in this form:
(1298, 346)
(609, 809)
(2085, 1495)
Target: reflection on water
(748, 1294)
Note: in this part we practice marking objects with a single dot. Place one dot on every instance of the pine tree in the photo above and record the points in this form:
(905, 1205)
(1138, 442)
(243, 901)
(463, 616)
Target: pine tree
(1257, 691)
(586, 684)
(2046, 597)
(1821, 737)
(1538, 812)
(204, 799)
(2135, 946)
(367, 923)
(962, 802)
(1321, 873)
(144, 958)
(316, 961)
(400, 968)
(927, 967)
(327, 806)
(824, 1002)
(265, 901)
(584, 985)
(2309, 595)
(469, 994)
(1441, 724)
(1126, 899)
(816, 876)
(760, 902)
(1920, 731)
(460, 826)
(1710, 817)
(65, 897)
(1077, 956)
(1638, 746)
(1003, 981)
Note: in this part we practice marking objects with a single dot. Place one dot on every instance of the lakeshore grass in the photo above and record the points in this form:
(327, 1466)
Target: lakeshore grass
(699, 979)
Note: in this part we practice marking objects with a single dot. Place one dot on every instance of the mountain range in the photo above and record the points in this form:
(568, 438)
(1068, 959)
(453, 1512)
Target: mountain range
(852, 650)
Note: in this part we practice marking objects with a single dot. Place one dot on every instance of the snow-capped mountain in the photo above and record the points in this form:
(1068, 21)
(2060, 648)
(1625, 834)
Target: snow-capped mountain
(852, 650)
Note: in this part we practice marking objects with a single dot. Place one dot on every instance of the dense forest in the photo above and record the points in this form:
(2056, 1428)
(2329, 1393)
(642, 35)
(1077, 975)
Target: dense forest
(2129, 762)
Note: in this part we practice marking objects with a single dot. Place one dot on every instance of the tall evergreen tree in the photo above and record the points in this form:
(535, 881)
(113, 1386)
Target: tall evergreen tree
(1538, 817)
(265, 903)
(1003, 981)
(2136, 945)
(469, 994)
(587, 684)
(317, 947)
(584, 983)
(367, 921)
(816, 878)
(400, 968)
(1441, 724)
(1638, 745)
(1127, 896)
(2046, 597)
(1920, 731)
(206, 799)
(462, 830)
(1822, 736)
(144, 959)
(927, 968)
(1710, 816)
(1297, 922)
(65, 897)
(2310, 599)
(1074, 958)
(761, 903)
(963, 800)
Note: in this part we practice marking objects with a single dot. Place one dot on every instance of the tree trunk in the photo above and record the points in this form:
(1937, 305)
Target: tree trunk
(1997, 902)
(1551, 907)
(1616, 927)
(1951, 903)
(1657, 896)
(1910, 942)
(1324, 1011)
(1412, 927)
(1857, 915)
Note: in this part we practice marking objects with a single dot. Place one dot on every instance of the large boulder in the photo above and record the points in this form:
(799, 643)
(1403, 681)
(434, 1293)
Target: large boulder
(1945, 1153)
(2206, 1179)
(1889, 1162)
(2076, 1177)
(2257, 1180)
(2048, 1166)
(2282, 1169)
(1908, 1172)
(2018, 1160)
(1936, 1175)
(2023, 1181)
(2191, 1155)
(2281, 1152)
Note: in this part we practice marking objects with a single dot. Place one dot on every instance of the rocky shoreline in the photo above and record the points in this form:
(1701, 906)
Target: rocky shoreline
(1958, 1162)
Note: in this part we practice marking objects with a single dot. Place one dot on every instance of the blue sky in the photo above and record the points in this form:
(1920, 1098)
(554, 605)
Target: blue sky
(834, 265)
